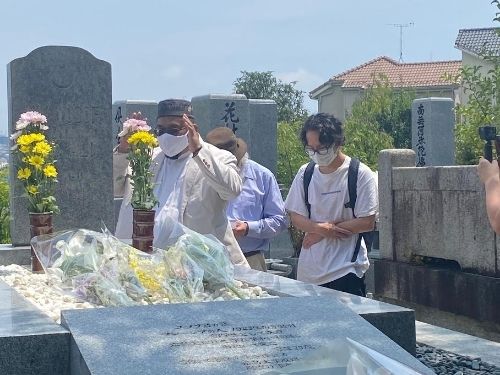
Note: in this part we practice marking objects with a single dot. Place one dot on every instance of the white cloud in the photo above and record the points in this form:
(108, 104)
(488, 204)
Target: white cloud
(306, 80)
(172, 72)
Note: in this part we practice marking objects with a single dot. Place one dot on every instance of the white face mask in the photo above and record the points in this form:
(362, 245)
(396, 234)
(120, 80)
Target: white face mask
(172, 145)
(327, 159)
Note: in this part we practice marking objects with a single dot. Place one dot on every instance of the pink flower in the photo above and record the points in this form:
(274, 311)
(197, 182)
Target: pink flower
(33, 117)
(132, 125)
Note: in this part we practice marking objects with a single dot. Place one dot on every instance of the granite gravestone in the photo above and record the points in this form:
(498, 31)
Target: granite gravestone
(123, 109)
(235, 337)
(73, 90)
(252, 120)
(433, 139)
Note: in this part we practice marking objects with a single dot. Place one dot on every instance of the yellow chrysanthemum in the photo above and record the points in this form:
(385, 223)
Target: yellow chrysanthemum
(23, 173)
(32, 189)
(143, 137)
(24, 140)
(36, 161)
(42, 148)
(37, 137)
(27, 139)
(24, 149)
(50, 171)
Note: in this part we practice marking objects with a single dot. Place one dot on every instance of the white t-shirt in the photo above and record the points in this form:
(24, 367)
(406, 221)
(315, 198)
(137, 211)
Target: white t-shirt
(330, 259)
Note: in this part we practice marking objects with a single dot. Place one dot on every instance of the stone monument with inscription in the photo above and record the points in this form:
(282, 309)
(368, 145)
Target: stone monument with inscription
(72, 89)
(232, 337)
(254, 120)
(433, 138)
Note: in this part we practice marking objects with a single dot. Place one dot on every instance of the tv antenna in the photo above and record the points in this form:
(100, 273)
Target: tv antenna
(401, 26)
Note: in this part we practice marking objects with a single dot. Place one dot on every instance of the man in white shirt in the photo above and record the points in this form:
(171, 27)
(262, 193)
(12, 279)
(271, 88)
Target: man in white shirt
(331, 229)
(193, 181)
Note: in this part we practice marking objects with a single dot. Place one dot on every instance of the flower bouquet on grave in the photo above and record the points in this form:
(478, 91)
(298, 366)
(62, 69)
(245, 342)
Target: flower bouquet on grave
(141, 142)
(205, 250)
(37, 172)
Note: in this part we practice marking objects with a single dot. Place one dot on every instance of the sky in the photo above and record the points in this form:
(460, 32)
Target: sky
(166, 49)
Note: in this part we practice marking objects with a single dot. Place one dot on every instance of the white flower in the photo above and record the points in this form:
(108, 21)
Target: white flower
(15, 135)
(21, 124)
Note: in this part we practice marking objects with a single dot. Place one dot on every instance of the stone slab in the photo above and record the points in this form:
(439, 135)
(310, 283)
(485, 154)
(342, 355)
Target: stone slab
(30, 342)
(461, 293)
(73, 90)
(14, 255)
(440, 212)
(232, 337)
(396, 322)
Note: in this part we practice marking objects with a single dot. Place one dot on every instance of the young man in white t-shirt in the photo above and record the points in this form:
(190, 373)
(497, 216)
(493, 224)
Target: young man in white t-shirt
(332, 229)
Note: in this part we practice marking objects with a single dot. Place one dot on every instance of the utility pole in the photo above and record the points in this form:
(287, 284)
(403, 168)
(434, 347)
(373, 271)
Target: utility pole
(401, 26)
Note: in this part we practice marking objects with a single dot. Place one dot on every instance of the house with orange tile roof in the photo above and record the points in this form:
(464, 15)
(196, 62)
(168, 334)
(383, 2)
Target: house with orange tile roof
(338, 94)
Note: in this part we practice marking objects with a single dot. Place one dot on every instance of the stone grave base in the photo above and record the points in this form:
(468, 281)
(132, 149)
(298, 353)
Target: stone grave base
(34, 344)
(467, 294)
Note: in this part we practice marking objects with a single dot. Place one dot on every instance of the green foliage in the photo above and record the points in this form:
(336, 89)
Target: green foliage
(365, 140)
(381, 119)
(263, 85)
(291, 154)
(482, 108)
(4, 206)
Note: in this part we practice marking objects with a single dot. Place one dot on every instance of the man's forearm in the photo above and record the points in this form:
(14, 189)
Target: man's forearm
(358, 225)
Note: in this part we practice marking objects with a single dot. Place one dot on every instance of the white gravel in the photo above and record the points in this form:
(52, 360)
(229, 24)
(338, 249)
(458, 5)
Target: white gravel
(40, 291)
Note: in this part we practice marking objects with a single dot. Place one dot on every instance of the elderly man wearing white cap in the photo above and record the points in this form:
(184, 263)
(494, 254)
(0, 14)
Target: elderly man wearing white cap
(193, 181)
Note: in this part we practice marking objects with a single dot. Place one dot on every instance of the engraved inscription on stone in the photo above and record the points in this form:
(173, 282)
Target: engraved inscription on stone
(258, 347)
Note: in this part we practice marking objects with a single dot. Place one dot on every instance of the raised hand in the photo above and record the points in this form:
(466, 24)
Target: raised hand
(194, 143)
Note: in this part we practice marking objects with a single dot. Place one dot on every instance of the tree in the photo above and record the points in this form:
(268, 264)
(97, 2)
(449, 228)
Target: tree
(381, 119)
(263, 85)
(482, 108)
(291, 154)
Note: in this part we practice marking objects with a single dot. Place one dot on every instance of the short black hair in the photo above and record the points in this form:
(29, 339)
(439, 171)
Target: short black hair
(330, 129)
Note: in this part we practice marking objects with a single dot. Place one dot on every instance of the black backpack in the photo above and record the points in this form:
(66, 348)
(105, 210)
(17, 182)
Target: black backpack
(352, 185)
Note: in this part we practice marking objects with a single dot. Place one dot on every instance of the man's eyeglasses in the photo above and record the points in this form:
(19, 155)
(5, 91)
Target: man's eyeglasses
(320, 151)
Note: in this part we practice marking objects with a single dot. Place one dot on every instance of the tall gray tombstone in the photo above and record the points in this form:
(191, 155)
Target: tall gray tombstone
(73, 90)
(433, 139)
(252, 120)
(123, 109)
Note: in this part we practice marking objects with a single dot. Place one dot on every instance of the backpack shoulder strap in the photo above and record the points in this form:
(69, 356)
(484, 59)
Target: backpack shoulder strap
(307, 180)
(352, 186)
(352, 183)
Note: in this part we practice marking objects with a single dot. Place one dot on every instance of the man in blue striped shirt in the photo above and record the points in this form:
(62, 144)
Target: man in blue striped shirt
(258, 214)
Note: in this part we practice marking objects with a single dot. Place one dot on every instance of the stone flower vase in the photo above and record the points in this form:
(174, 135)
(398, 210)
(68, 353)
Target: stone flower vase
(40, 223)
(142, 229)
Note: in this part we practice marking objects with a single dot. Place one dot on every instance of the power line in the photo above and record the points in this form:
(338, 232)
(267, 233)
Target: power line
(401, 26)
